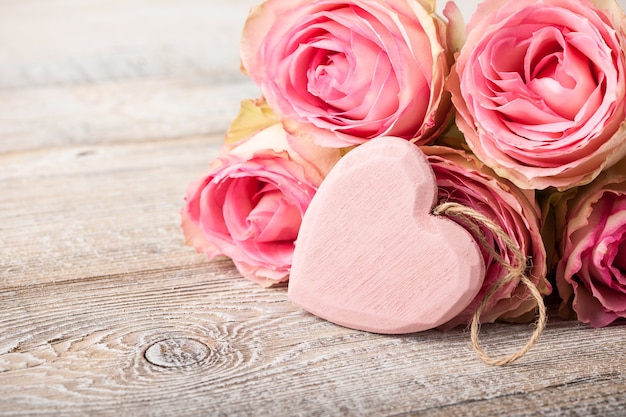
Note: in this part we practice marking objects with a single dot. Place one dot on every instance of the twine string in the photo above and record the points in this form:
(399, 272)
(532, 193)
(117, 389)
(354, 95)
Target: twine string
(515, 270)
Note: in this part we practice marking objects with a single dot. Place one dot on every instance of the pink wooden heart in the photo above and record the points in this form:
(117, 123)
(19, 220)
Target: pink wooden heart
(371, 256)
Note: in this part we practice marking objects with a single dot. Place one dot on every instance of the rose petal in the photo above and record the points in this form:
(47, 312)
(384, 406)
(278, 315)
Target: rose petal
(540, 90)
(250, 204)
(462, 179)
(346, 72)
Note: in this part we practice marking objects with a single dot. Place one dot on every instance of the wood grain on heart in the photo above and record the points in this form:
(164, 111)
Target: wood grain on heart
(371, 256)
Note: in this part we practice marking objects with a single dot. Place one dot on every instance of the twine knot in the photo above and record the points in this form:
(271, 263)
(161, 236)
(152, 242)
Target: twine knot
(515, 270)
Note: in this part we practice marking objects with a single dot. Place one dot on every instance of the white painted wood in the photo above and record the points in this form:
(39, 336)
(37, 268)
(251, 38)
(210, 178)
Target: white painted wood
(72, 212)
(104, 312)
(69, 42)
(80, 348)
(116, 112)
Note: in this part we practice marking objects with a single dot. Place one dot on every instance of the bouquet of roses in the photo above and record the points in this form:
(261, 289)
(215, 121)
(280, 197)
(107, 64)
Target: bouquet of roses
(521, 113)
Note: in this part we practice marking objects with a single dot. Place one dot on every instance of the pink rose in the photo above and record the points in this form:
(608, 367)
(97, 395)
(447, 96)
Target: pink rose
(591, 273)
(250, 204)
(463, 179)
(539, 88)
(346, 71)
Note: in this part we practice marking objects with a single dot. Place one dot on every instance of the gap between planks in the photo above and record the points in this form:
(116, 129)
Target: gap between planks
(73, 212)
(117, 112)
(223, 344)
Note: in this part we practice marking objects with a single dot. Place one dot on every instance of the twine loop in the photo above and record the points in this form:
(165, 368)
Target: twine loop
(515, 270)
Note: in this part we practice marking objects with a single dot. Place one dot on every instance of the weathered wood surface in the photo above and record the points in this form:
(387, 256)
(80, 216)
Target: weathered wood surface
(107, 111)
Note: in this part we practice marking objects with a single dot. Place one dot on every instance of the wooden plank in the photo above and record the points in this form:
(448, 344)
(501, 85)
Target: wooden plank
(69, 42)
(77, 212)
(107, 111)
(112, 112)
(86, 72)
(220, 345)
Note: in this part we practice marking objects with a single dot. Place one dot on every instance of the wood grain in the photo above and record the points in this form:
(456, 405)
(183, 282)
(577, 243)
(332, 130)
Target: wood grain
(72, 42)
(74, 212)
(84, 353)
(118, 70)
(107, 111)
(123, 111)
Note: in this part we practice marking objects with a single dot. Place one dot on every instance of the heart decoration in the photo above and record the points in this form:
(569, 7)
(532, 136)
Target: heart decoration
(370, 254)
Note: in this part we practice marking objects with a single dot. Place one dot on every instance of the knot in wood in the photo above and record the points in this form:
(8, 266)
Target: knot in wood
(176, 352)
